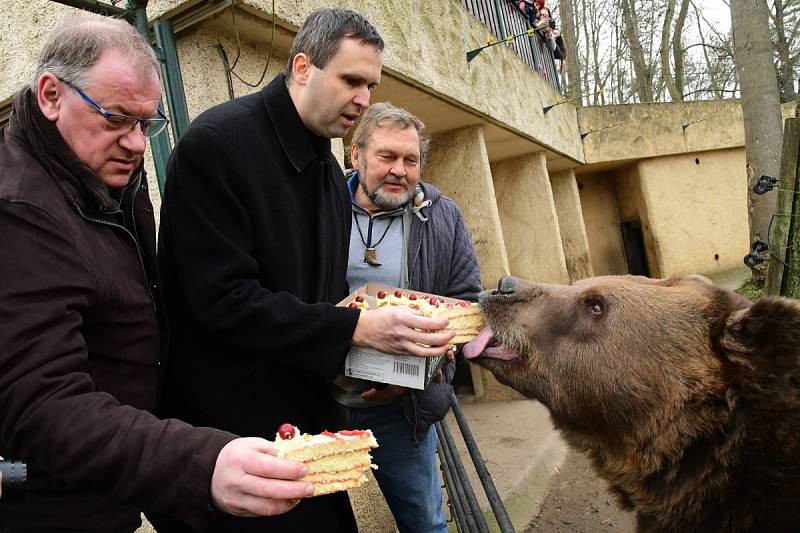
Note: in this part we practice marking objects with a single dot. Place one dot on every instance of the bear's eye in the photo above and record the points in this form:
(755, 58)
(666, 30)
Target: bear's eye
(595, 306)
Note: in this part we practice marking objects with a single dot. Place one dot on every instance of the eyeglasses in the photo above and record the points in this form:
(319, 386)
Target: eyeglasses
(124, 123)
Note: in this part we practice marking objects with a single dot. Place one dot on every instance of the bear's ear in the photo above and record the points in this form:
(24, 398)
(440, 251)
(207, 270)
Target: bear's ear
(764, 335)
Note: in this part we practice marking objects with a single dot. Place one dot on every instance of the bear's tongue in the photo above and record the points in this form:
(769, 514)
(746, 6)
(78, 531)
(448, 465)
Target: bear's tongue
(476, 346)
(484, 344)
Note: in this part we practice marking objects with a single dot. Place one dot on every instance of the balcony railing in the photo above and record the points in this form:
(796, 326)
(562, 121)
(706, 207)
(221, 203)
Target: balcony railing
(503, 18)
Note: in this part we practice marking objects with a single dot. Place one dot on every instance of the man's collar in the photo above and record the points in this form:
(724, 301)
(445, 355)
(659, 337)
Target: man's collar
(301, 145)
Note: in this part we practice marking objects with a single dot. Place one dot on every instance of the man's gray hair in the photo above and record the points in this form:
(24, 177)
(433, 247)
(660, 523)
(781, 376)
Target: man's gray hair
(75, 47)
(385, 114)
(322, 32)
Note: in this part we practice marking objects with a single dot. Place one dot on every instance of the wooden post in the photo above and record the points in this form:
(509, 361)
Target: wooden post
(783, 235)
(791, 273)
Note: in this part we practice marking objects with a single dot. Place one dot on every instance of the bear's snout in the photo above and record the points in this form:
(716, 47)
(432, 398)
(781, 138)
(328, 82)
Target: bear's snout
(506, 286)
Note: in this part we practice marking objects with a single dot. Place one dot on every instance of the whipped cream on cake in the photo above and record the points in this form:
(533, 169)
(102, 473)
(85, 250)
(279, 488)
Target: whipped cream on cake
(335, 461)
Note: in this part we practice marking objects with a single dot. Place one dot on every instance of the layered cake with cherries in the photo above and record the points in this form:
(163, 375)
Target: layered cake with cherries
(465, 317)
(335, 461)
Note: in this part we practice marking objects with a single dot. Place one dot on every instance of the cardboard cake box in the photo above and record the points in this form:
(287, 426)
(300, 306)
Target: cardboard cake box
(405, 370)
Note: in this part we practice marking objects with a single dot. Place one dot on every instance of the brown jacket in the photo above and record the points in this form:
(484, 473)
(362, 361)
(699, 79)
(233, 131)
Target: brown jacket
(79, 347)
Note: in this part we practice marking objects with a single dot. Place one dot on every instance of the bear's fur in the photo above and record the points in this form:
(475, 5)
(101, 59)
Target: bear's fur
(685, 396)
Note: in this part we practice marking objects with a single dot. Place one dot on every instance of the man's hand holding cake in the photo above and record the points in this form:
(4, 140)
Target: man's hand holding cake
(278, 477)
(403, 331)
(432, 320)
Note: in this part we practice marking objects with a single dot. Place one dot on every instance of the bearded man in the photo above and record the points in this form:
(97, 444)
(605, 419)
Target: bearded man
(407, 234)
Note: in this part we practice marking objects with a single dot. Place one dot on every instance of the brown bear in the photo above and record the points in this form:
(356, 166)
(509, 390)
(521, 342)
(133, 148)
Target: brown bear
(685, 396)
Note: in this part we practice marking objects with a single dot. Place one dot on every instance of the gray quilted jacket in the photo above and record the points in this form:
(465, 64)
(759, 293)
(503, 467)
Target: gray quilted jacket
(441, 260)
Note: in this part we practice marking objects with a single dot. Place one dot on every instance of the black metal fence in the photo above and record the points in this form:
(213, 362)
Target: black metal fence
(503, 18)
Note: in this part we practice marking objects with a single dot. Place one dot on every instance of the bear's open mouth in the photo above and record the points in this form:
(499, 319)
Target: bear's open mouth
(487, 345)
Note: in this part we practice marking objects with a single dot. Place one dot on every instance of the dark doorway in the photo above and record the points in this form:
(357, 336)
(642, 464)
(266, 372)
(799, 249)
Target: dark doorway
(633, 241)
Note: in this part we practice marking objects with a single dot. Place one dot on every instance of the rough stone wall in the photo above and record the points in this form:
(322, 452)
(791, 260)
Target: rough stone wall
(601, 218)
(529, 220)
(697, 211)
(571, 225)
(458, 165)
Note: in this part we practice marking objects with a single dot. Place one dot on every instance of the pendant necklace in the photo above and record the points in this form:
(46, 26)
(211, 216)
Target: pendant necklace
(370, 254)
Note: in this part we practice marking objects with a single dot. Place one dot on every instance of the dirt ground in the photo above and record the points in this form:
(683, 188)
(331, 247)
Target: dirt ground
(579, 502)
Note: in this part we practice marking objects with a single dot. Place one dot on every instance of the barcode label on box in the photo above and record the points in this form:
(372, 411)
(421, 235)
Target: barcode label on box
(406, 368)
(403, 370)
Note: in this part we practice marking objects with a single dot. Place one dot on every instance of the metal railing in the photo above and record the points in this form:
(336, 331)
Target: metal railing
(465, 511)
(503, 19)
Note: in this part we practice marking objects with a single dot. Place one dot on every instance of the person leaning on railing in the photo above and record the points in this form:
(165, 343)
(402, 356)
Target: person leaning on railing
(528, 8)
(547, 27)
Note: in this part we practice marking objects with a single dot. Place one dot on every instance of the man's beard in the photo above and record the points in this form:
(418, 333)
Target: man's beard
(383, 201)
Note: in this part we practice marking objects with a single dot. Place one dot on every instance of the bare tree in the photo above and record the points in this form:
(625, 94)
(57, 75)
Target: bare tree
(785, 22)
(760, 106)
(664, 53)
(567, 14)
(643, 81)
(677, 48)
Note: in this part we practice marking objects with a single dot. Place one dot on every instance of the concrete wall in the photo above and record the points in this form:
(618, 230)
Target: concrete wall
(697, 211)
(458, 165)
(632, 206)
(571, 224)
(529, 220)
(601, 216)
(652, 130)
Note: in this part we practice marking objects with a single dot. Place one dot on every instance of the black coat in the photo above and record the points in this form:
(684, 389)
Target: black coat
(253, 246)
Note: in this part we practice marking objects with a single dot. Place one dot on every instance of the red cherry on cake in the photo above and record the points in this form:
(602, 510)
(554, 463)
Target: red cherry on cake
(286, 431)
(359, 298)
(381, 295)
(398, 294)
(434, 300)
(353, 305)
(412, 297)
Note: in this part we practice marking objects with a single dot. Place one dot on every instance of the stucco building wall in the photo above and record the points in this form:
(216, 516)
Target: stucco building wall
(572, 227)
(658, 129)
(601, 215)
(697, 211)
(458, 165)
(633, 207)
(529, 220)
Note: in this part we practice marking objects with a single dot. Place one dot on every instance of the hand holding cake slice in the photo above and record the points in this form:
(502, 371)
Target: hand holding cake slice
(335, 461)
(465, 318)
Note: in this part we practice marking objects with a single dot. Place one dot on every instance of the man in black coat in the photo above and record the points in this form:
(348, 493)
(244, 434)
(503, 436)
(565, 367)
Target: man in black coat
(253, 248)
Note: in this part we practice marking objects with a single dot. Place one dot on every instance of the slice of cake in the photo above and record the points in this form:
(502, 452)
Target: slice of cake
(335, 461)
(466, 320)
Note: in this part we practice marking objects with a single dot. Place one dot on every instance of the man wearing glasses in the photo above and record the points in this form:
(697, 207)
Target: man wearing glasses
(79, 327)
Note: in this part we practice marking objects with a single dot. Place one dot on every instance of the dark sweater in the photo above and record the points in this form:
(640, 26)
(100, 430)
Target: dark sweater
(253, 248)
